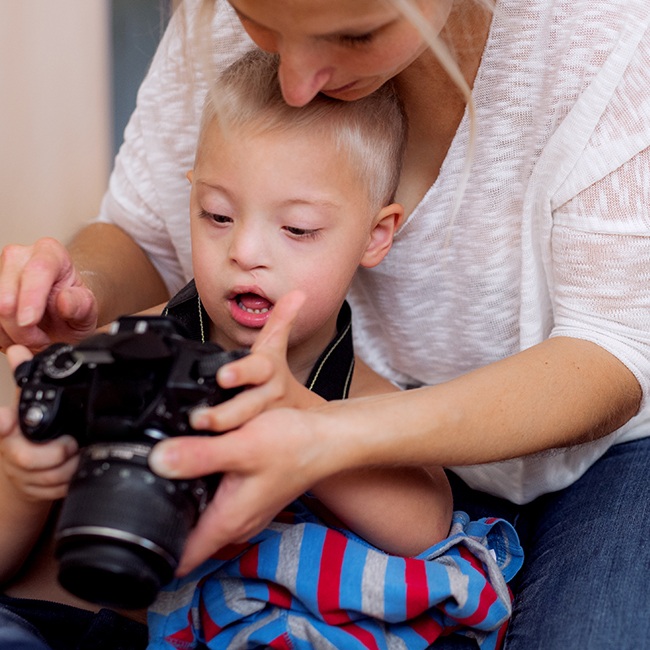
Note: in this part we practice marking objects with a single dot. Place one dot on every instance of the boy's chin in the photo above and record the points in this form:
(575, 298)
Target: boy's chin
(238, 337)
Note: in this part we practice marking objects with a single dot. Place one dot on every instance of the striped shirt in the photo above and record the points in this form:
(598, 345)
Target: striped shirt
(301, 584)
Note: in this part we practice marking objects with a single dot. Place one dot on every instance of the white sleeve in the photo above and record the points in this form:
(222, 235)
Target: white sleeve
(601, 228)
(600, 237)
(148, 193)
(602, 267)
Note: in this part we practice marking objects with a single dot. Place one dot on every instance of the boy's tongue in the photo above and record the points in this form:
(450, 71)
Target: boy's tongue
(253, 302)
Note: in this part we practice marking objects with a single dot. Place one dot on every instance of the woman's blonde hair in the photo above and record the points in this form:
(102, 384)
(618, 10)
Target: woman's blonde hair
(370, 131)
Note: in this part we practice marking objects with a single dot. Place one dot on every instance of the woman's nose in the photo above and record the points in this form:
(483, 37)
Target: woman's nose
(302, 74)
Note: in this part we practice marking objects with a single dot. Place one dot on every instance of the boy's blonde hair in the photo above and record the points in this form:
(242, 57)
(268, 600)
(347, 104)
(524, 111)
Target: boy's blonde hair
(370, 132)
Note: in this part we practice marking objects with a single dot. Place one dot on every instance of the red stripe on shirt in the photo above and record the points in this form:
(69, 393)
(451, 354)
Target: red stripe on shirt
(279, 595)
(366, 638)
(208, 625)
(487, 597)
(249, 562)
(417, 590)
(427, 627)
(329, 578)
(280, 643)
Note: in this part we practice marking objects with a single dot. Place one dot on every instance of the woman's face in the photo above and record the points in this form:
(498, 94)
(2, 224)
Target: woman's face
(345, 49)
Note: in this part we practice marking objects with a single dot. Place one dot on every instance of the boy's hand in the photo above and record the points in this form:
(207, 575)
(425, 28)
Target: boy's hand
(38, 472)
(43, 298)
(264, 372)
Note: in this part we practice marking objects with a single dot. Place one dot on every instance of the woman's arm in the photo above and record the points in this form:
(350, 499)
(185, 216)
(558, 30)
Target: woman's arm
(117, 271)
(561, 392)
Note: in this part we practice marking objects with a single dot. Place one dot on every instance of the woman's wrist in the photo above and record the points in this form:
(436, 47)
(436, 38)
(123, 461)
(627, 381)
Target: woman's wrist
(354, 433)
(94, 251)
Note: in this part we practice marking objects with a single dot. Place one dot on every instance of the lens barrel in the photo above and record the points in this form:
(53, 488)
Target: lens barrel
(122, 528)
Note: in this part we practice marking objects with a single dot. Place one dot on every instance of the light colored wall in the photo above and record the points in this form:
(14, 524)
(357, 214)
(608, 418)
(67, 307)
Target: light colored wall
(55, 136)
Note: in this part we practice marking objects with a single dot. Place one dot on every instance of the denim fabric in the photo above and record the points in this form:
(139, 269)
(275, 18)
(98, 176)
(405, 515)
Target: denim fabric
(17, 634)
(67, 628)
(584, 583)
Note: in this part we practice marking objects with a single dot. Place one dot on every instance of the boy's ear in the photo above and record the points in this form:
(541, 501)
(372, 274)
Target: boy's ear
(190, 175)
(385, 224)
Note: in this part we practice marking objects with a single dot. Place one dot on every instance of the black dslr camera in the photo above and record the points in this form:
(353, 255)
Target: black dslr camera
(122, 528)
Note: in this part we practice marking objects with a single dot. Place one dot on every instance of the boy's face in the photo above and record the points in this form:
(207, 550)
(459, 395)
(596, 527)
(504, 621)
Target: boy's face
(274, 212)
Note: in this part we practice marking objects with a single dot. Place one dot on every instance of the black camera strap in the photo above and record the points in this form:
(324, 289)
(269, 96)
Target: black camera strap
(331, 375)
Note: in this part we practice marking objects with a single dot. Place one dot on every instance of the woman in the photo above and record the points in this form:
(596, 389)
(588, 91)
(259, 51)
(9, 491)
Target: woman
(514, 302)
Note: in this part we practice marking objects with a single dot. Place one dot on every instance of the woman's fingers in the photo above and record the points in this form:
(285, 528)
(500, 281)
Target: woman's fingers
(194, 456)
(27, 277)
(236, 514)
(42, 297)
(16, 354)
(265, 465)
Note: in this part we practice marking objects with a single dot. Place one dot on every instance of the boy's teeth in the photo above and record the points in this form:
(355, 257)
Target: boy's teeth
(253, 311)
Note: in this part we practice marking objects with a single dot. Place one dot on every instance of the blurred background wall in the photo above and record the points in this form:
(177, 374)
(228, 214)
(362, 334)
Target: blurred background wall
(69, 73)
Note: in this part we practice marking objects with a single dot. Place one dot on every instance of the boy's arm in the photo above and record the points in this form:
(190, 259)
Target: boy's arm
(22, 523)
(402, 510)
(32, 477)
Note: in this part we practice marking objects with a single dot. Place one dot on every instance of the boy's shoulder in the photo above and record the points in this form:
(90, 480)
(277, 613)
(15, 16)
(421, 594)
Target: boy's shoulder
(366, 381)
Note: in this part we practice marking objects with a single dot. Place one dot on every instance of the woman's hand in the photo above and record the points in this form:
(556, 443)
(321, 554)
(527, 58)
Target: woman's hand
(43, 298)
(266, 464)
(35, 472)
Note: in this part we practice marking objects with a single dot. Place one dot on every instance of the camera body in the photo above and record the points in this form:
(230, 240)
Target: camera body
(122, 528)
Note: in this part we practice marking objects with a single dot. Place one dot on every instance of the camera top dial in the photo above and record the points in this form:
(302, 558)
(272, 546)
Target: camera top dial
(61, 363)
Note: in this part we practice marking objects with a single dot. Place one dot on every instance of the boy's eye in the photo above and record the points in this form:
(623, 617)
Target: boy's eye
(217, 218)
(301, 232)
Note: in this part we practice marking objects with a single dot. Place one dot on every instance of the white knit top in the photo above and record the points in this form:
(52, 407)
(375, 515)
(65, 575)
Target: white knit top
(553, 233)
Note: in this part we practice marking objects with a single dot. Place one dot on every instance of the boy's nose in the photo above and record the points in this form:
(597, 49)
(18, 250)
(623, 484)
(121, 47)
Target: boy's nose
(248, 250)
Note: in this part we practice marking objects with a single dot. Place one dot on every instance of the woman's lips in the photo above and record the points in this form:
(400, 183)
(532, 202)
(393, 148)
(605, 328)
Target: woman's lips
(250, 309)
(340, 89)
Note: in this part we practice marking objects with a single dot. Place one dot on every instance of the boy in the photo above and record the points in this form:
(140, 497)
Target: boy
(287, 199)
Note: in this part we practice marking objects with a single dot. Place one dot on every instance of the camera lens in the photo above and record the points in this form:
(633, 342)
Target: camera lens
(122, 528)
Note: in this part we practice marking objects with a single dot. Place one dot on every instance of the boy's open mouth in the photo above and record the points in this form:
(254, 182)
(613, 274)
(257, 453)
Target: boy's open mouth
(253, 303)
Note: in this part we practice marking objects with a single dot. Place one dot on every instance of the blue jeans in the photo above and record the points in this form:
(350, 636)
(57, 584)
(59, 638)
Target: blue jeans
(27, 624)
(17, 634)
(585, 583)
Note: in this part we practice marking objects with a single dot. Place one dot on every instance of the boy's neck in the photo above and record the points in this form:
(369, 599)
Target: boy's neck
(301, 358)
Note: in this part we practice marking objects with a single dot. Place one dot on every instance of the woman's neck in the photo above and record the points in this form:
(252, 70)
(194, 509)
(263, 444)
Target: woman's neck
(434, 103)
